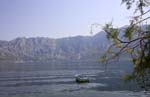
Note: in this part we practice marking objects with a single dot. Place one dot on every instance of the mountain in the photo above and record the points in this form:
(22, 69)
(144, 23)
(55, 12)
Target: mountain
(39, 48)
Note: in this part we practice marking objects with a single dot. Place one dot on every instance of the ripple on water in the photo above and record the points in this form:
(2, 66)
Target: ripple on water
(77, 87)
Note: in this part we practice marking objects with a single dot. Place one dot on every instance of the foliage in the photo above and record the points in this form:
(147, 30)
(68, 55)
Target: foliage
(128, 77)
(133, 40)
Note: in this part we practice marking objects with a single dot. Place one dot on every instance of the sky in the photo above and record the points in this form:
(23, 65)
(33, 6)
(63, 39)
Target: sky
(58, 18)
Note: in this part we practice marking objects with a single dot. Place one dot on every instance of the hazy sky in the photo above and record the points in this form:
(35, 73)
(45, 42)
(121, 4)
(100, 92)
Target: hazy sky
(57, 18)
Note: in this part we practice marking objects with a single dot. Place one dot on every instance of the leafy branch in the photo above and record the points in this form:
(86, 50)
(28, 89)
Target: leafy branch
(134, 41)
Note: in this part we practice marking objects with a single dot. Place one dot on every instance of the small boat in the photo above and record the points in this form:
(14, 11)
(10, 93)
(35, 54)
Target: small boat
(81, 78)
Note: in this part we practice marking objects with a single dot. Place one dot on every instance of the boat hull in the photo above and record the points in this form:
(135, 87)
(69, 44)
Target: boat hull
(82, 80)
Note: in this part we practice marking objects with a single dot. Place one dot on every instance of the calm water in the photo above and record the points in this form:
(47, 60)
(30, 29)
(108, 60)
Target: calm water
(56, 79)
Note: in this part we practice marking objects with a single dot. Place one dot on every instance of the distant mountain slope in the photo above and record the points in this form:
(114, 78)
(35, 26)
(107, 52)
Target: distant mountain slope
(79, 47)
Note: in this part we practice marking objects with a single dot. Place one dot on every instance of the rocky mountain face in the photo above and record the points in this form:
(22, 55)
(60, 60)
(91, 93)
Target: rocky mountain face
(71, 48)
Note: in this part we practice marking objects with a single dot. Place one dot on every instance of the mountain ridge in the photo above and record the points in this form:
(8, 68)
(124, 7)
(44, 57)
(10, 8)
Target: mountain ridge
(40, 48)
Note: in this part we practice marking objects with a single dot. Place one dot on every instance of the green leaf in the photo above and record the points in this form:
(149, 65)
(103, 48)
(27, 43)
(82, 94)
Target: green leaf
(128, 32)
(128, 77)
(112, 33)
(128, 50)
(103, 58)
